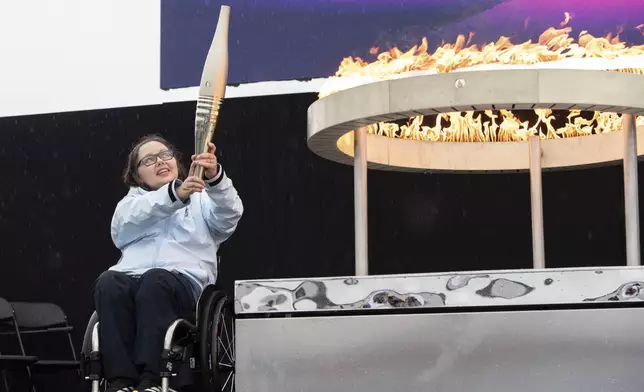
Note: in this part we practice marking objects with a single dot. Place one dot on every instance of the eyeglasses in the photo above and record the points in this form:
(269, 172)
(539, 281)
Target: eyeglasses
(151, 159)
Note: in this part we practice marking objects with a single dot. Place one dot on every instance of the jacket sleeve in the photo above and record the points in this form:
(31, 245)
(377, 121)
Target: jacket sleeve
(222, 208)
(135, 213)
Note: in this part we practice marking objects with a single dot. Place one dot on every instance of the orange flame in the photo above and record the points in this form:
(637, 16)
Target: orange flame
(553, 45)
(566, 20)
(640, 28)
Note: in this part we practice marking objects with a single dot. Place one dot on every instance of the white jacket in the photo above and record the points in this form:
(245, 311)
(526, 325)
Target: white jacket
(155, 229)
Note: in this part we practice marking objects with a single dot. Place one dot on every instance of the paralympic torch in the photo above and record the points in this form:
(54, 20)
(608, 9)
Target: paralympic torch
(213, 86)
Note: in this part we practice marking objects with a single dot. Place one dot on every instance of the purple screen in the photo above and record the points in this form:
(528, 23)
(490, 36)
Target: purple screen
(304, 39)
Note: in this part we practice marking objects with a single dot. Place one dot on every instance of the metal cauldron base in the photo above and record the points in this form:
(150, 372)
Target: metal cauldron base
(527, 330)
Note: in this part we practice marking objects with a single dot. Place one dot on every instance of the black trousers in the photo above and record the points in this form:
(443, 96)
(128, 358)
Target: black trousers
(134, 314)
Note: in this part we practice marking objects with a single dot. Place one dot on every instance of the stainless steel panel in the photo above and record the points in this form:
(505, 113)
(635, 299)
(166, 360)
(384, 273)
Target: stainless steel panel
(574, 350)
(450, 289)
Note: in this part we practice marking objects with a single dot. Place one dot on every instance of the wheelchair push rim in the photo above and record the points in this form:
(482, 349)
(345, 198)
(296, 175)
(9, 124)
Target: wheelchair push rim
(218, 347)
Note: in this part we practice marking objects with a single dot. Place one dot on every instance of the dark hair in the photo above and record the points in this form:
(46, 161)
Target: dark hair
(131, 173)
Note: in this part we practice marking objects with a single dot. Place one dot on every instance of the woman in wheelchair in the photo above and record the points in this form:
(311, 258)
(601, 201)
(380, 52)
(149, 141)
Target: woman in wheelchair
(168, 227)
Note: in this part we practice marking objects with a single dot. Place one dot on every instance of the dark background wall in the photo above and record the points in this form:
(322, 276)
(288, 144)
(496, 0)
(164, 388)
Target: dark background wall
(61, 182)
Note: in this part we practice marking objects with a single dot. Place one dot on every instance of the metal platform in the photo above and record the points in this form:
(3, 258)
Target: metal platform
(487, 331)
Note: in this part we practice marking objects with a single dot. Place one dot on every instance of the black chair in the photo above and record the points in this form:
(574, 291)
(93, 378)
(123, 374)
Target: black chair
(10, 361)
(203, 341)
(44, 319)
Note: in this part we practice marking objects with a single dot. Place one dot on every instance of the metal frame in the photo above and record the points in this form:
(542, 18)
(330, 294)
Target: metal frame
(96, 383)
(168, 342)
(536, 201)
(631, 191)
(360, 202)
(331, 119)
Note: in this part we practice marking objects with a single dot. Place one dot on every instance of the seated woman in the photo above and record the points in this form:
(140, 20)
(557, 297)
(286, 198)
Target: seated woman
(168, 231)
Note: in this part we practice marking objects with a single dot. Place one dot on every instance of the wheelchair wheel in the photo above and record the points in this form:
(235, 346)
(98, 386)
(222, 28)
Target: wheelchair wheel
(218, 346)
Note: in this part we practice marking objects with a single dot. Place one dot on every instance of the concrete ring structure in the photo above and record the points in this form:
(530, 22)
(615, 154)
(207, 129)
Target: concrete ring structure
(332, 119)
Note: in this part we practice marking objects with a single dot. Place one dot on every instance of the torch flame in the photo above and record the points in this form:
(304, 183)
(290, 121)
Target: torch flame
(555, 46)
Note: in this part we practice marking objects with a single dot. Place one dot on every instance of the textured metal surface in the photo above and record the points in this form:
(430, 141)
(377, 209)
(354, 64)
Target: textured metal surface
(333, 116)
(575, 350)
(471, 289)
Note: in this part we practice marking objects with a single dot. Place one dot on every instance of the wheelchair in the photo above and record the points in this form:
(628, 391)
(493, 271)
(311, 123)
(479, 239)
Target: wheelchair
(204, 341)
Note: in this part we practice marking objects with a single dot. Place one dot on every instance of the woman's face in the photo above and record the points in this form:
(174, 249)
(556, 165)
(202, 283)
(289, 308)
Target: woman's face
(156, 165)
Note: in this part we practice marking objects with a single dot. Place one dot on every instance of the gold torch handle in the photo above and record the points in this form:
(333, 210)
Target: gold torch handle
(210, 133)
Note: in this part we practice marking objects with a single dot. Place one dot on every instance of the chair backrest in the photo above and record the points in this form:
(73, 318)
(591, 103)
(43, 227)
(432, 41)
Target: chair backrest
(38, 315)
(6, 311)
(39, 320)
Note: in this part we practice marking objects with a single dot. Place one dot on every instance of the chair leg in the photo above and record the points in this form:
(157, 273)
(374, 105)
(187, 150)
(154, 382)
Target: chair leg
(22, 350)
(4, 379)
(71, 346)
